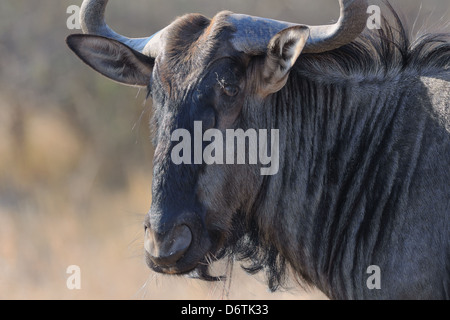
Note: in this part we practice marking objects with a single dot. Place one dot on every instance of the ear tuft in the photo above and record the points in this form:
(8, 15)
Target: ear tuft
(282, 53)
(112, 59)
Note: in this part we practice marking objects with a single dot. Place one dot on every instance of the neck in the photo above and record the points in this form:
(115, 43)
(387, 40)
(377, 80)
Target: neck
(323, 196)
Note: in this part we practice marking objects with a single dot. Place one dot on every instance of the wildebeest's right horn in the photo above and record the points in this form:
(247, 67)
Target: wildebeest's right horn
(92, 17)
(253, 34)
(351, 23)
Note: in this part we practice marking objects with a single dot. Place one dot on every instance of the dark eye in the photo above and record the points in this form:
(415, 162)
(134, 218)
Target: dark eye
(231, 90)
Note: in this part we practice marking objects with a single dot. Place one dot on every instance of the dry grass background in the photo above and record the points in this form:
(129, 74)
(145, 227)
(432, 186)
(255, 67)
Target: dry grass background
(75, 158)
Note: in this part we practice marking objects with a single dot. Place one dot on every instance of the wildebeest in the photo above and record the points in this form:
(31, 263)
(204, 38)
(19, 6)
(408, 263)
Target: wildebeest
(364, 147)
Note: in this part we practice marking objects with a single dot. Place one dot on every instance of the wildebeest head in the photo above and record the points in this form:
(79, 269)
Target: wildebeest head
(216, 72)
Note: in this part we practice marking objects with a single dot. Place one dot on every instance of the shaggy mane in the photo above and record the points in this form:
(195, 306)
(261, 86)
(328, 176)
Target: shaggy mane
(376, 55)
(380, 54)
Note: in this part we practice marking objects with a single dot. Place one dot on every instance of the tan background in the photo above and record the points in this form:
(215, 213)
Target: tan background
(75, 158)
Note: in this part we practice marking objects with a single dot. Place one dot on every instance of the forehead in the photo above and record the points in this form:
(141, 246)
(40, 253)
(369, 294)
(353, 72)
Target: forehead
(192, 42)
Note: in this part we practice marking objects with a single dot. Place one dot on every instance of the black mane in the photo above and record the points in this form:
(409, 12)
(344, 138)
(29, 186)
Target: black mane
(376, 55)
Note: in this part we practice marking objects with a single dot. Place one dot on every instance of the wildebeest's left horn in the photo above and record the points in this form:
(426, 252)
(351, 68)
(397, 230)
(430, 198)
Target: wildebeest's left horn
(92, 17)
(253, 34)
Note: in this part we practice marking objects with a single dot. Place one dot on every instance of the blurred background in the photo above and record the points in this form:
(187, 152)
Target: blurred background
(76, 158)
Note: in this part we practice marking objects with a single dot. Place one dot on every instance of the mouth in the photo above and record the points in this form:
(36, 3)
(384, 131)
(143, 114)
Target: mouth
(199, 270)
(197, 261)
(184, 251)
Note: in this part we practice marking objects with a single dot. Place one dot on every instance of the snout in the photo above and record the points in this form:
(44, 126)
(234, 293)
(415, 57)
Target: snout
(178, 245)
(165, 250)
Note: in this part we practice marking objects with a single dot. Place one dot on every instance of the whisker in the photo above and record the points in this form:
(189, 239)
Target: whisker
(208, 259)
(137, 125)
(213, 288)
(144, 289)
(227, 283)
(212, 255)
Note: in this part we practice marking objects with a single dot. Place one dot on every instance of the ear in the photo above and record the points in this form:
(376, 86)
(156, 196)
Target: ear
(282, 53)
(112, 59)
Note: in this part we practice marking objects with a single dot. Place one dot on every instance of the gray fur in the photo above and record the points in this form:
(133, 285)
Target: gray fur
(364, 159)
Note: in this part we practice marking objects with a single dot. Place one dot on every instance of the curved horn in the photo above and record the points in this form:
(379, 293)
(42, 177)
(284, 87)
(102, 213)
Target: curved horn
(253, 33)
(92, 17)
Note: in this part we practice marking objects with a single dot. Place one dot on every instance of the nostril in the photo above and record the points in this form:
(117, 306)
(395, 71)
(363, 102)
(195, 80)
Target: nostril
(181, 241)
(167, 249)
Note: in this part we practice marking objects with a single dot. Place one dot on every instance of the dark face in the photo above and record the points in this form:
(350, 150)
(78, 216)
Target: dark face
(201, 86)
(193, 203)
